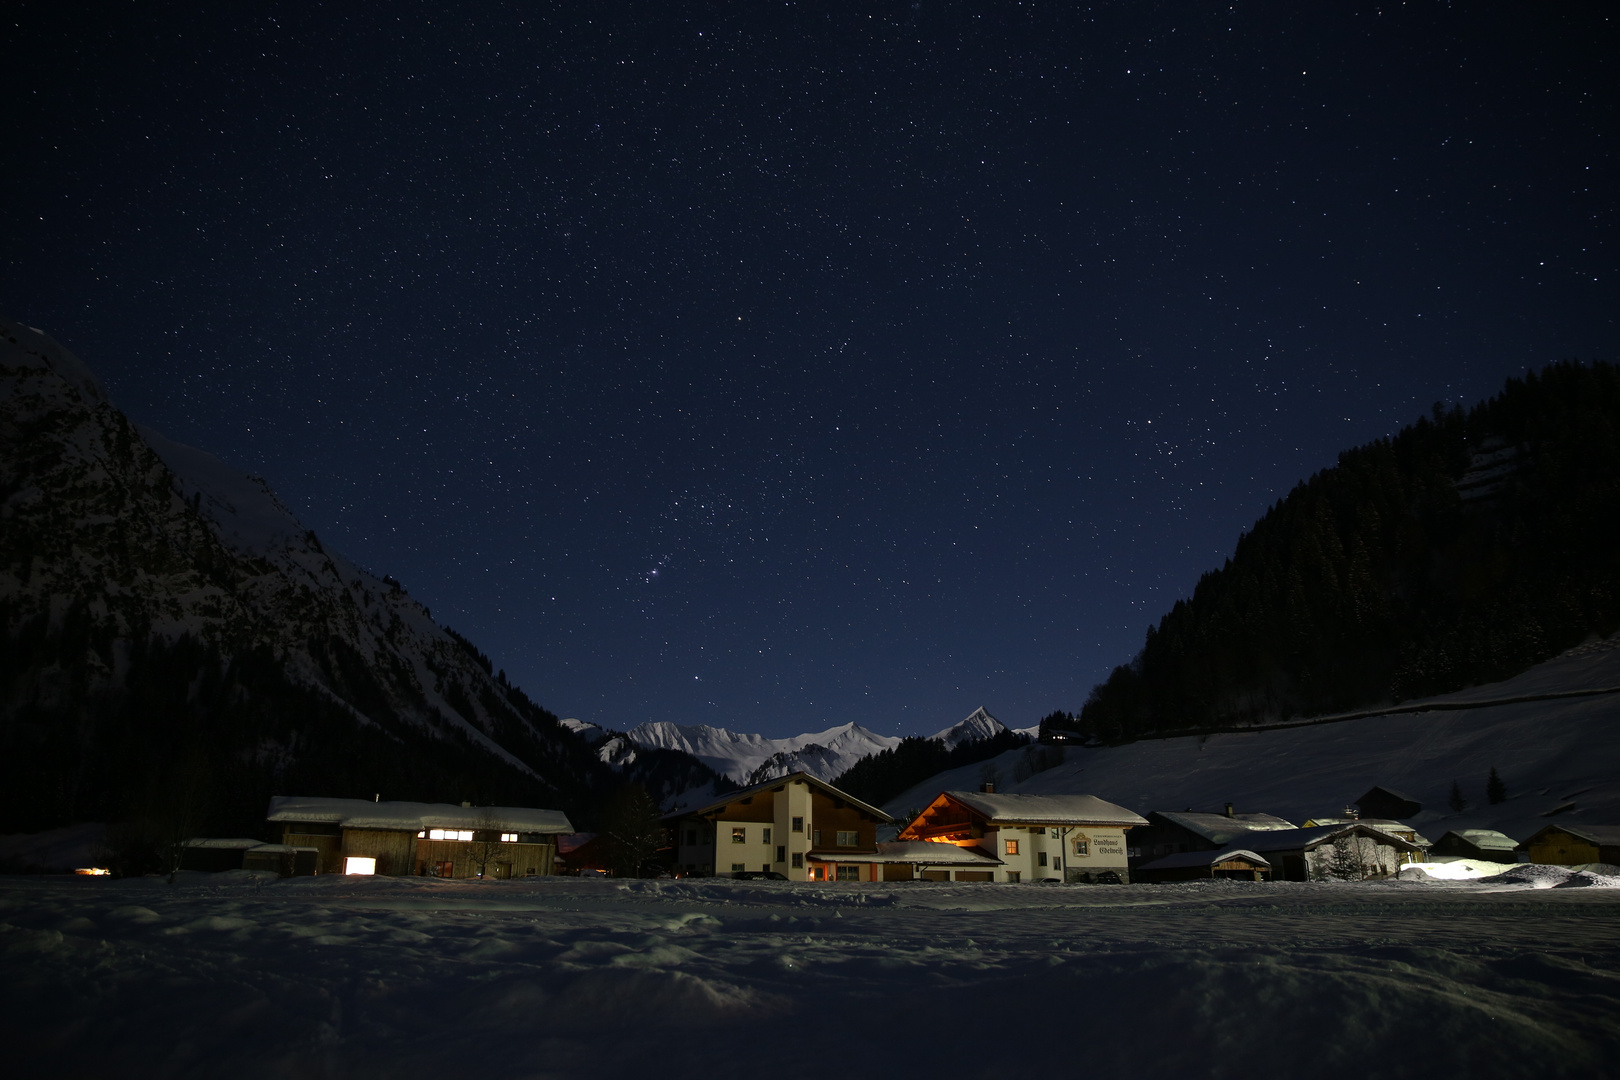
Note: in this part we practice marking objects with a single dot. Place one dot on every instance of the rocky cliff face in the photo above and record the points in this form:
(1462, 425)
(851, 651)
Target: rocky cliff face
(159, 606)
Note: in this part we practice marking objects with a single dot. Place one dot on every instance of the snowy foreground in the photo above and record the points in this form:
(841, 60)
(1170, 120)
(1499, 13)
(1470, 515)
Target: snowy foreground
(230, 975)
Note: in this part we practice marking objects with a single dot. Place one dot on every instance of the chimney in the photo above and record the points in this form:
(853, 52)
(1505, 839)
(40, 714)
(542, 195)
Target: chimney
(988, 788)
(1228, 809)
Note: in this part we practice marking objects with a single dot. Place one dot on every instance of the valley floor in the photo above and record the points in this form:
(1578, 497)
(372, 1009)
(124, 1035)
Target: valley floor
(230, 975)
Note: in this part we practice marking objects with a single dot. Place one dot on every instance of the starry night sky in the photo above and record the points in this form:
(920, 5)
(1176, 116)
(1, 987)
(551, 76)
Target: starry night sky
(780, 365)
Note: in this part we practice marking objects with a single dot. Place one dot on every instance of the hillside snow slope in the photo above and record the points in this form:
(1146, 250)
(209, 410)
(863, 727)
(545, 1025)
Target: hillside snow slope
(1551, 751)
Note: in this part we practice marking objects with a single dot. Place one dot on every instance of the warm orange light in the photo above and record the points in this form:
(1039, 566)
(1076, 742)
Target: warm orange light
(93, 871)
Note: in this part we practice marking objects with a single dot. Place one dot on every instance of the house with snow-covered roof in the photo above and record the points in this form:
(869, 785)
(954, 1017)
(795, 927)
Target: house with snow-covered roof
(1073, 838)
(1487, 845)
(1327, 852)
(795, 825)
(352, 836)
(1170, 832)
(1574, 845)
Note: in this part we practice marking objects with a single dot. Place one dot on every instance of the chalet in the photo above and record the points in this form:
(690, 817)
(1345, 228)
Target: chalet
(1383, 802)
(796, 825)
(1326, 852)
(352, 836)
(1486, 845)
(1074, 838)
(1395, 828)
(1170, 833)
(1574, 845)
(1235, 864)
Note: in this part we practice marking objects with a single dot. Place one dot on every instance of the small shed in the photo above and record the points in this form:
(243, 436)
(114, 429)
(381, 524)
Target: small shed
(1574, 845)
(1234, 864)
(1383, 802)
(1487, 845)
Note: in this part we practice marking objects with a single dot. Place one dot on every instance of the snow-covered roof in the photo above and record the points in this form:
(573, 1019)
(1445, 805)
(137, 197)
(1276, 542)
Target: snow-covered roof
(1221, 829)
(415, 816)
(1304, 839)
(767, 785)
(237, 843)
(917, 852)
(1204, 858)
(1601, 835)
(1484, 839)
(1046, 809)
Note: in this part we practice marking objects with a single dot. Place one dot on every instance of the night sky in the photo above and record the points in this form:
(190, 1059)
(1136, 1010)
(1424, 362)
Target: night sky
(781, 365)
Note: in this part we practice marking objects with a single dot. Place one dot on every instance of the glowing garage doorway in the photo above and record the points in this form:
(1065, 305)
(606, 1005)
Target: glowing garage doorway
(359, 864)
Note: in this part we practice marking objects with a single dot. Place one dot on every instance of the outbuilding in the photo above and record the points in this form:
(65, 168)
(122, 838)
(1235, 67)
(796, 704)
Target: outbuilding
(1235, 864)
(1574, 845)
(1486, 845)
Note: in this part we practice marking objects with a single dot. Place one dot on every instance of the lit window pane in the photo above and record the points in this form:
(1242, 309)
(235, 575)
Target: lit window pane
(356, 864)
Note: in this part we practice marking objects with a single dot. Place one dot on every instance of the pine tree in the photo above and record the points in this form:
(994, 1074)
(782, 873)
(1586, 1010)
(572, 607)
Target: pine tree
(1495, 790)
(1458, 803)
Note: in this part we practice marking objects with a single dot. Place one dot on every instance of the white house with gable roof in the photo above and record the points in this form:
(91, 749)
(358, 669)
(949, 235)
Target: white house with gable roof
(1073, 838)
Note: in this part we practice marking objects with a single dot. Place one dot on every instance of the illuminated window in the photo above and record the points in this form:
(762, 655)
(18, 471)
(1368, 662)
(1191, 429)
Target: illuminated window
(767, 837)
(1081, 847)
(422, 835)
(848, 873)
(1012, 847)
(739, 835)
(359, 864)
(449, 834)
(798, 824)
(848, 839)
(508, 837)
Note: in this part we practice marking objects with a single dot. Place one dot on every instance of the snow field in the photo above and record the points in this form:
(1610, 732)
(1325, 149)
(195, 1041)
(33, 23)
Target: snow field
(342, 977)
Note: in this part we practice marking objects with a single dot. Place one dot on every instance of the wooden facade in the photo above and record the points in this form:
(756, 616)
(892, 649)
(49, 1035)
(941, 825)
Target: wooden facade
(1575, 845)
(424, 839)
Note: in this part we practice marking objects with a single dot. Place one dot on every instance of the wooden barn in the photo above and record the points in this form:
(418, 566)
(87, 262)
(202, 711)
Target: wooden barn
(1233, 864)
(1383, 802)
(1486, 845)
(399, 839)
(1574, 845)
(1170, 832)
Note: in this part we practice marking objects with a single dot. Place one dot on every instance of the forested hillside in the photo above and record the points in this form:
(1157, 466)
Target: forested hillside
(1462, 550)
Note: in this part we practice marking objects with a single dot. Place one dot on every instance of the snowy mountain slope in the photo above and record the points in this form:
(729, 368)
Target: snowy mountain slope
(119, 537)
(1553, 734)
(976, 727)
(824, 754)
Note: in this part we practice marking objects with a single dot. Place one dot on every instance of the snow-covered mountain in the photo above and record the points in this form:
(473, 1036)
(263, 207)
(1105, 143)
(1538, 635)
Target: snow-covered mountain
(978, 726)
(127, 558)
(752, 758)
(1552, 733)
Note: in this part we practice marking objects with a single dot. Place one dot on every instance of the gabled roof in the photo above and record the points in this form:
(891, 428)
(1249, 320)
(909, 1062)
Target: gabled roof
(1219, 829)
(415, 816)
(1305, 839)
(1601, 835)
(1204, 858)
(771, 785)
(1484, 839)
(916, 852)
(1044, 809)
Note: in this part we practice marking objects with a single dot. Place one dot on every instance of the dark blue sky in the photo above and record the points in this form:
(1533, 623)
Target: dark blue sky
(779, 365)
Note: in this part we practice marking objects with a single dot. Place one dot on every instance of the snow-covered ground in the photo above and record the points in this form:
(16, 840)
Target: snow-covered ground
(1553, 750)
(230, 975)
